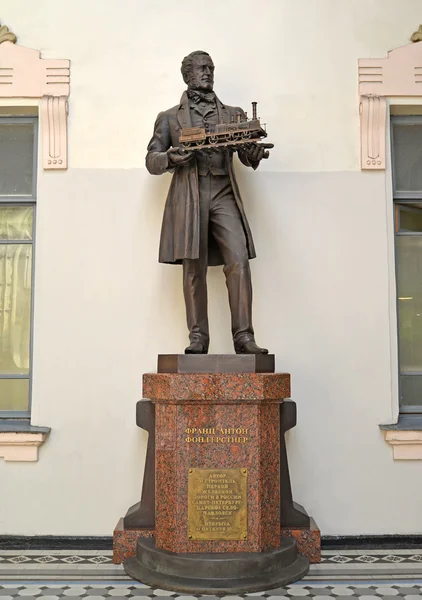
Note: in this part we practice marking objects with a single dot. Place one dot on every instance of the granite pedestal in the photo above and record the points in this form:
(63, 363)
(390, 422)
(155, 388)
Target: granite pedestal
(220, 479)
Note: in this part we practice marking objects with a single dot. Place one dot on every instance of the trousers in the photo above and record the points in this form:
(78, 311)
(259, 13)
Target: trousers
(220, 217)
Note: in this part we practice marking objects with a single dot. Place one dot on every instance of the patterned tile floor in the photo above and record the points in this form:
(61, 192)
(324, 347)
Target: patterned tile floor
(341, 575)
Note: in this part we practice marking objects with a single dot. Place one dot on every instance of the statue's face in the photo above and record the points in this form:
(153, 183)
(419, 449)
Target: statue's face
(202, 76)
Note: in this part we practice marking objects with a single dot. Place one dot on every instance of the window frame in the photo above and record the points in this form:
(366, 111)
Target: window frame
(399, 199)
(28, 200)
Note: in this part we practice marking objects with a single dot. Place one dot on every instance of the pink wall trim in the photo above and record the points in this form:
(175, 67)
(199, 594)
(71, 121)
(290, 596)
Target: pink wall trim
(400, 74)
(407, 445)
(24, 74)
(20, 446)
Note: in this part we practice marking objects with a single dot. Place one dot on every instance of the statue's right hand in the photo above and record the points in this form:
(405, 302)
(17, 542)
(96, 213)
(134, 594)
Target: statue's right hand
(178, 157)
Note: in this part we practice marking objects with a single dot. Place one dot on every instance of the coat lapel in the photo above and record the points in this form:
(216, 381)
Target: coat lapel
(223, 112)
(183, 112)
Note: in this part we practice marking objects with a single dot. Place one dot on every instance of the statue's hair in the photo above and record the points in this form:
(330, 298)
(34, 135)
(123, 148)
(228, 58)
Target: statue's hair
(187, 64)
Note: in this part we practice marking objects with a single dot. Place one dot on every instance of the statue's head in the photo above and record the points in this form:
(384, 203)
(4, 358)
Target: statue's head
(198, 71)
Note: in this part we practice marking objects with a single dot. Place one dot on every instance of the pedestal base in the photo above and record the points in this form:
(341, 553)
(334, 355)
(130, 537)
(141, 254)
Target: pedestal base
(125, 541)
(308, 540)
(216, 573)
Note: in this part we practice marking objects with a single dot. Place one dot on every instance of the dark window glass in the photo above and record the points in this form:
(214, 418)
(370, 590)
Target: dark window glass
(410, 217)
(16, 158)
(14, 395)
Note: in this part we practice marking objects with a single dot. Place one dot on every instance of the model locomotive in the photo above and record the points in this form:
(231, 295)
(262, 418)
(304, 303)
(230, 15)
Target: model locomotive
(238, 131)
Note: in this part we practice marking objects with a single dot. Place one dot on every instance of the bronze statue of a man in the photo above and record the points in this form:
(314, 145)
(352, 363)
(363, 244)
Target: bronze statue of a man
(204, 221)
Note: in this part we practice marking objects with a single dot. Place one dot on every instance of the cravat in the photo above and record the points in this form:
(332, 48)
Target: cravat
(196, 96)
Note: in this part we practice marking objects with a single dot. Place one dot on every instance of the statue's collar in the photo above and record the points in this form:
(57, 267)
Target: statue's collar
(184, 101)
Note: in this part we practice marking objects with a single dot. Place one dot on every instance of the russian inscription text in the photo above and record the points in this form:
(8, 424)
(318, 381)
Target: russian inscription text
(217, 504)
(217, 435)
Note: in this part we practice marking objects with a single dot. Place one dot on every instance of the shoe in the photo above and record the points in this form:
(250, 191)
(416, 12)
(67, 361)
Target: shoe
(250, 347)
(196, 348)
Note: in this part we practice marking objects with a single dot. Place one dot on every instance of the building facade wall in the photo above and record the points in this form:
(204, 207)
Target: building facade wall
(323, 278)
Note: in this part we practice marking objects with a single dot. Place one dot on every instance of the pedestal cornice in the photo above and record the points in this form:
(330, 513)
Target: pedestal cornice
(218, 388)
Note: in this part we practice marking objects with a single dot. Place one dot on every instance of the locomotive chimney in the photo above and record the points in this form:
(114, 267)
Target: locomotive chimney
(254, 110)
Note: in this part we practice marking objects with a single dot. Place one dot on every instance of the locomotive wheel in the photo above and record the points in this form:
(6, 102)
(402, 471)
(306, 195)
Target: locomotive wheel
(199, 143)
(186, 145)
(246, 136)
(226, 137)
(213, 139)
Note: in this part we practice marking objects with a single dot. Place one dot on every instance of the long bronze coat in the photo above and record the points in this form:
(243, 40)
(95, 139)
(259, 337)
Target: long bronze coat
(180, 229)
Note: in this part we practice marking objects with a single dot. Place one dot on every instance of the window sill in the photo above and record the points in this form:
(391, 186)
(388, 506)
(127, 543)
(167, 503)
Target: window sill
(405, 437)
(19, 440)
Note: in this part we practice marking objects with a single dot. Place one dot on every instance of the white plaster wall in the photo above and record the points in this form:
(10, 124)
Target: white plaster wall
(104, 307)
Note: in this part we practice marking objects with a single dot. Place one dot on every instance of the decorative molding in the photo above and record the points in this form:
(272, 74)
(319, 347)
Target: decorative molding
(6, 35)
(54, 121)
(21, 446)
(373, 121)
(24, 74)
(417, 36)
(400, 74)
(407, 445)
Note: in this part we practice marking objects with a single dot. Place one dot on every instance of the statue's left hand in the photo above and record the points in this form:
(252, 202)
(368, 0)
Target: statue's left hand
(256, 152)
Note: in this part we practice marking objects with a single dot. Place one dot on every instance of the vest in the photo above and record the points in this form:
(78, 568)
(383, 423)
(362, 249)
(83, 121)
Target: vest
(208, 161)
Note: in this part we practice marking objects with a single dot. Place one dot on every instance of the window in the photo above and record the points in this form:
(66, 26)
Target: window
(18, 143)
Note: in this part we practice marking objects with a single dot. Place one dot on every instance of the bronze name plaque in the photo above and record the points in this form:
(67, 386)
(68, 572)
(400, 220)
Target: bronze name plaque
(217, 504)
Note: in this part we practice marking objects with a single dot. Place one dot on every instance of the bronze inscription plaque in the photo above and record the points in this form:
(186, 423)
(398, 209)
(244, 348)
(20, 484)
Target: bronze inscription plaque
(217, 504)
